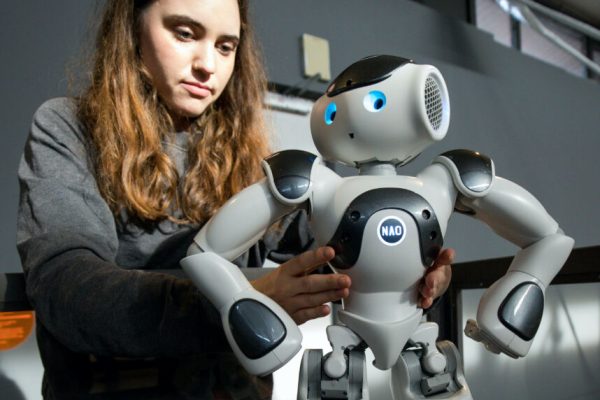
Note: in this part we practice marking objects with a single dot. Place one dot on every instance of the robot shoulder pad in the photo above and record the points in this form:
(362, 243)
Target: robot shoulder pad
(288, 173)
(472, 172)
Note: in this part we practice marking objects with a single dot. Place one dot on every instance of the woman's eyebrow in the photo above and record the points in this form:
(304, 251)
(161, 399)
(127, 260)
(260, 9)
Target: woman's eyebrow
(184, 20)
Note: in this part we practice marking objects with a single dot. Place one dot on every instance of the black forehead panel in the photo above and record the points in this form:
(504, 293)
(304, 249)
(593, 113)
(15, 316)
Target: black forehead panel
(365, 72)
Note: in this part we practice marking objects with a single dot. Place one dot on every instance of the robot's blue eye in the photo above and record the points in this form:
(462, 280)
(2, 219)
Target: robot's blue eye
(330, 112)
(374, 101)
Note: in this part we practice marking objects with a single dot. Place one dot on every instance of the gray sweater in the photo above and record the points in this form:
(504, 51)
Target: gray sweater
(99, 284)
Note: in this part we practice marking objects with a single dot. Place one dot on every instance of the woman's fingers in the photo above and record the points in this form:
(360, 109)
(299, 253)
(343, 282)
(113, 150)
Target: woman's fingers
(305, 296)
(436, 281)
(316, 291)
(437, 278)
(425, 302)
(313, 300)
(301, 294)
(445, 258)
(308, 261)
(306, 314)
(322, 282)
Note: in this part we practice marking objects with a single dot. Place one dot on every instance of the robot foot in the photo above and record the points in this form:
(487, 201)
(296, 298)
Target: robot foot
(411, 378)
(314, 383)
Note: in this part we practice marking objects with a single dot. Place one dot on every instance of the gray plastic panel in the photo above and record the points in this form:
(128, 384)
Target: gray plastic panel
(522, 310)
(255, 328)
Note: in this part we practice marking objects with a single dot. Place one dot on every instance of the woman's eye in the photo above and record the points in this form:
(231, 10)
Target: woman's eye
(184, 34)
(226, 48)
(375, 101)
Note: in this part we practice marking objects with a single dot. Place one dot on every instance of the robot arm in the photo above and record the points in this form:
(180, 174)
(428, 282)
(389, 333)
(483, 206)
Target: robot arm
(262, 335)
(510, 310)
(240, 223)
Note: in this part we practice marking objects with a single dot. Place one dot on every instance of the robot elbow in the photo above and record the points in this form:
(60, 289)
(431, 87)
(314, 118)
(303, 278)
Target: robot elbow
(194, 249)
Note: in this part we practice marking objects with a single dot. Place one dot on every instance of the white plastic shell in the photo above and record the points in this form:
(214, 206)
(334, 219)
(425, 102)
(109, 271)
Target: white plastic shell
(416, 114)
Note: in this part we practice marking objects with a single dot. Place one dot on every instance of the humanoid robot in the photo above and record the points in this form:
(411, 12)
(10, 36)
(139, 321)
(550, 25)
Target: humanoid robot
(379, 114)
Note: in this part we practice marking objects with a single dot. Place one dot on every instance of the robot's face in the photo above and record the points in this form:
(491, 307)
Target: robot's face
(381, 108)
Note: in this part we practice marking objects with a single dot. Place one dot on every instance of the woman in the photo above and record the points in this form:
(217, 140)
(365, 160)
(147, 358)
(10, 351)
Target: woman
(116, 182)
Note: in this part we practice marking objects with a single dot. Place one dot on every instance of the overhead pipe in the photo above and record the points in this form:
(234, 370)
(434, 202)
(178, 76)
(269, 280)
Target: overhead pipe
(538, 26)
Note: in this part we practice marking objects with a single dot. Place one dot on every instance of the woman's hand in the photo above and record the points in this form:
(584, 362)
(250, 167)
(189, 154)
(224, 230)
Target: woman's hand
(436, 279)
(303, 296)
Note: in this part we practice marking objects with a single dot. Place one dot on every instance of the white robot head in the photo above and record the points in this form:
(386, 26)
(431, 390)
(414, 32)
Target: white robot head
(381, 109)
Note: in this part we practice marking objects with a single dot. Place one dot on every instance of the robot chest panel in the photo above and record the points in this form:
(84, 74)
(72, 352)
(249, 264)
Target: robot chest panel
(386, 221)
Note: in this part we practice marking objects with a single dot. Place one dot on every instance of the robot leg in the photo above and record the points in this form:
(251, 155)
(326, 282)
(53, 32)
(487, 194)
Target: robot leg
(340, 374)
(427, 369)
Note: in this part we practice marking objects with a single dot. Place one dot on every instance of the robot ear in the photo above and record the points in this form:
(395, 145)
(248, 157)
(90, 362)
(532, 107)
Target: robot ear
(436, 104)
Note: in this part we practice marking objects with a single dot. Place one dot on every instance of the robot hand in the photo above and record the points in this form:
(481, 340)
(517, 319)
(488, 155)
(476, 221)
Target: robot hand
(262, 335)
(510, 310)
(509, 315)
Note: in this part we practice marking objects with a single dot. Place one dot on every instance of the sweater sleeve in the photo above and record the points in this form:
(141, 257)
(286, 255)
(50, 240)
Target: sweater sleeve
(289, 237)
(67, 241)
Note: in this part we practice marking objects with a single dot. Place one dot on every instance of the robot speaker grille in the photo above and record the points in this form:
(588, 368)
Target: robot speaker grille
(433, 102)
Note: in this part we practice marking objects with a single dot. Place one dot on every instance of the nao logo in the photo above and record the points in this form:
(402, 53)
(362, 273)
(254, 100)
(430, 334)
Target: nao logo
(391, 231)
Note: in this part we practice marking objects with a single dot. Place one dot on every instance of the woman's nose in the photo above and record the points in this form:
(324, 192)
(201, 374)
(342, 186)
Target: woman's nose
(205, 59)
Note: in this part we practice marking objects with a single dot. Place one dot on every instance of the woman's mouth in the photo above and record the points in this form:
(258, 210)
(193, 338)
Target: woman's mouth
(197, 89)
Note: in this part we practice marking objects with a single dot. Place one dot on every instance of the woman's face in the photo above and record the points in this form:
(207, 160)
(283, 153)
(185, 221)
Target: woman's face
(188, 47)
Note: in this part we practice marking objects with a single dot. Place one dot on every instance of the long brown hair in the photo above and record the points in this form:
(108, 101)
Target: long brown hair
(127, 124)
